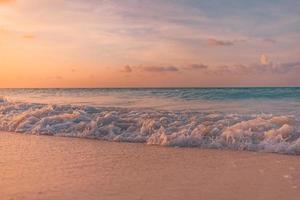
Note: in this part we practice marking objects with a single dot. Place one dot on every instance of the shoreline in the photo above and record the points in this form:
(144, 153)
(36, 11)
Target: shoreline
(199, 148)
(44, 168)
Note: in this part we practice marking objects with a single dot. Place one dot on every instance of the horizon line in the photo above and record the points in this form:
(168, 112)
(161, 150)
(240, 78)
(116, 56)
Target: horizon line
(177, 87)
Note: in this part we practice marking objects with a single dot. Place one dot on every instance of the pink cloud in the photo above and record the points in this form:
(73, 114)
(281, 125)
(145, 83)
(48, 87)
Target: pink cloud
(215, 42)
(127, 69)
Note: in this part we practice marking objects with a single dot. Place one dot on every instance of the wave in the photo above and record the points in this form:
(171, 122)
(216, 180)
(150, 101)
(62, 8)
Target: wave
(236, 94)
(211, 94)
(254, 132)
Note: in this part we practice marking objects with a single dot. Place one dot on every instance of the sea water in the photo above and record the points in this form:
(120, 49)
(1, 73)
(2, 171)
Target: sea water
(256, 119)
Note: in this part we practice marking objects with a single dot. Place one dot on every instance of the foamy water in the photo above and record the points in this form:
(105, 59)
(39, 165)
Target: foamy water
(257, 119)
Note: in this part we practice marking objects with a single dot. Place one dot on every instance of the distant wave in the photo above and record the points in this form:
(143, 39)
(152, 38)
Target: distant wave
(277, 93)
(260, 132)
(271, 93)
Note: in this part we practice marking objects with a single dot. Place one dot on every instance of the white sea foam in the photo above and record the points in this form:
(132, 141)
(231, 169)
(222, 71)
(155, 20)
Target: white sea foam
(259, 132)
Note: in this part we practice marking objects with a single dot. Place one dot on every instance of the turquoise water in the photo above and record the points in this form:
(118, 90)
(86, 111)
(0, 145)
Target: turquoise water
(288, 93)
(206, 99)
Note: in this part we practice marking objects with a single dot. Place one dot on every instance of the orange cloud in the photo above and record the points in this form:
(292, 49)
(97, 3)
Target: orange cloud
(160, 69)
(264, 60)
(3, 31)
(196, 67)
(29, 37)
(264, 67)
(127, 69)
(215, 42)
(6, 1)
(154, 69)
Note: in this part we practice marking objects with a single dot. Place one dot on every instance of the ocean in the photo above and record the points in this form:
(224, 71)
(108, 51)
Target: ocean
(254, 119)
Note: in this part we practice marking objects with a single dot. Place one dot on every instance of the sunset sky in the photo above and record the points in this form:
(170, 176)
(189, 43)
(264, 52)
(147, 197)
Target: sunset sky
(149, 43)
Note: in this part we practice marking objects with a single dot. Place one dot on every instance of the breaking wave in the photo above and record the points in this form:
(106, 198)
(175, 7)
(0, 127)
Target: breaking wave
(254, 132)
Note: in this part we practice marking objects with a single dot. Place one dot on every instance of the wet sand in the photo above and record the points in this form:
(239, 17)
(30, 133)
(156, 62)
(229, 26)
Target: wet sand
(46, 168)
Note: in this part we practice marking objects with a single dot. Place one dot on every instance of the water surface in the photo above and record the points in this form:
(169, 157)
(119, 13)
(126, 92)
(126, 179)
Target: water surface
(256, 119)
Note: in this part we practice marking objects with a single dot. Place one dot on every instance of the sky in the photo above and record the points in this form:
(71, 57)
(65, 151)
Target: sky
(149, 43)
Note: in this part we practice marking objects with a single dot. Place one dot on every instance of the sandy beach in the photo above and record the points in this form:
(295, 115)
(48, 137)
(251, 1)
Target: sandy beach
(44, 168)
(149, 100)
